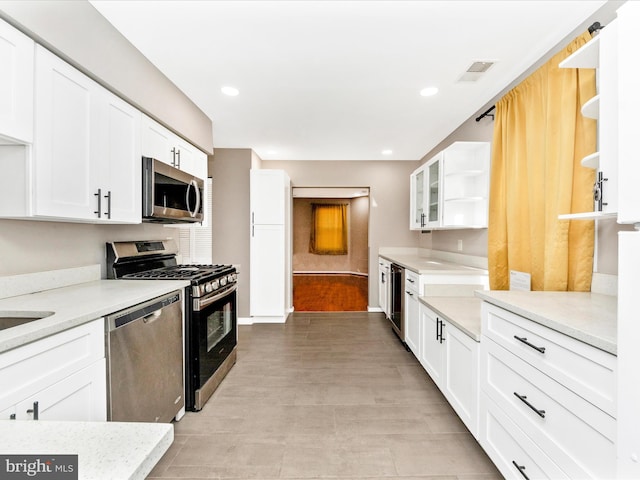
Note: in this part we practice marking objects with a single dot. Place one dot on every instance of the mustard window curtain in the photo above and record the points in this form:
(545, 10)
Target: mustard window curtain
(328, 229)
(539, 139)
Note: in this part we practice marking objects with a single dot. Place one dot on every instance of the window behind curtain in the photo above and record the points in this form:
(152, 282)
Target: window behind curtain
(328, 229)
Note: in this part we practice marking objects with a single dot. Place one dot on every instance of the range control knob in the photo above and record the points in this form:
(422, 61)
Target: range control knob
(230, 278)
(208, 287)
(223, 281)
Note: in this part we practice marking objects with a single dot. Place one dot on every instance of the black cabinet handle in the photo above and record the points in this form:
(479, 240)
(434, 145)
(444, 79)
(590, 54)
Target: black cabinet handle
(108, 197)
(520, 469)
(411, 280)
(524, 340)
(173, 156)
(442, 339)
(12, 416)
(422, 215)
(34, 410)
(409, 293)
(178, 155)
(99, 195)
(437, 328)
(523, 399)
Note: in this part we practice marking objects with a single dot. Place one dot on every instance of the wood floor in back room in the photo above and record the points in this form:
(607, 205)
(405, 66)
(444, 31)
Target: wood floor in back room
(325, 395)
(330, 293)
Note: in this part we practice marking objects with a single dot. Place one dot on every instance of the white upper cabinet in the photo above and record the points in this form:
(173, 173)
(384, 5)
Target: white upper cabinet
(268, 197)
(628, 108)
(85, 164)
(451, 190)
(160, 143)
(120, 159)
(465, 185)
(601, 53)
(16, 86)
(66, 125)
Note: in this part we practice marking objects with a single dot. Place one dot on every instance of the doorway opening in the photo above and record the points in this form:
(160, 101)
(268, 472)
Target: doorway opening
(330, 249)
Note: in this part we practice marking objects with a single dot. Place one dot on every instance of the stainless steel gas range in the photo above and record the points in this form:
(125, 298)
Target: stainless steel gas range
(210, 309)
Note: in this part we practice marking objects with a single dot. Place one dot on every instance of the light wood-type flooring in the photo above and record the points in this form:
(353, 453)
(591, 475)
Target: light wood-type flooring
(326, 395)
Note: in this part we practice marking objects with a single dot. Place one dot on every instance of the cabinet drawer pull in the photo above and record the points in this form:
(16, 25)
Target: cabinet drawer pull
(524, 340)
(523, 398)
(409, 293)
(521, 469)
(108, 197)
(410, 280)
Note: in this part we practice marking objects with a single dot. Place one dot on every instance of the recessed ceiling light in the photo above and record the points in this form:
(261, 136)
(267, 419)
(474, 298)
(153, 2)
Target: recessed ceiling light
(387, 152)
(429, 91)
(231, 91)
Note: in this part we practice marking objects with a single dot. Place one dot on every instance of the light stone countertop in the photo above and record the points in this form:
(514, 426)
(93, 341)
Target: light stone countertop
(106, 450)
(588, 317)
(431, 265)
(76, 304)
(463, 312)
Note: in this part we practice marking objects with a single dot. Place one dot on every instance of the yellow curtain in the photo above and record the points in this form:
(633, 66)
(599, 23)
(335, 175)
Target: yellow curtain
(538, 142)
(328, 229)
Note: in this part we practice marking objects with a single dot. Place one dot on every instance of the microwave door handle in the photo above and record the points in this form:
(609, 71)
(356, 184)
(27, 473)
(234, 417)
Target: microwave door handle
(187, 198)
(198, 199)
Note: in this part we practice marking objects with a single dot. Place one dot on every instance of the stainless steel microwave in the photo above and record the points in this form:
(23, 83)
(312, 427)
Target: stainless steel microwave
(170, 195)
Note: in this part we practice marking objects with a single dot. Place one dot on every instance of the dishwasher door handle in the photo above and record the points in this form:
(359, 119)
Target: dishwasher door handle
(152, 317)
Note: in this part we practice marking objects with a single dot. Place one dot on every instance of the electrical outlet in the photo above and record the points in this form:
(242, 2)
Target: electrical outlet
(459, 245)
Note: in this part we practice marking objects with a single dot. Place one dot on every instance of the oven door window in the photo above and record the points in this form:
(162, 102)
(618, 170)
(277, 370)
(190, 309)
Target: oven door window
(219, 324)
(214, 336)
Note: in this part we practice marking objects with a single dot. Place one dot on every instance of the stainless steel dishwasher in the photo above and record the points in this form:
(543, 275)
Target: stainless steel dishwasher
(145, 361)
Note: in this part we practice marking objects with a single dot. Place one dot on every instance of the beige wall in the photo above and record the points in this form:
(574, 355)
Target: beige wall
(229, 168)
(388, 183)
(356, 260)
(28, 246)
(78, 33)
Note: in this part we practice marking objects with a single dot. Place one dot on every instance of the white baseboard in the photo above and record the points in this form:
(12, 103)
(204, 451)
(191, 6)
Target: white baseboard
(254, 320)
(604, 284)
(374, 309)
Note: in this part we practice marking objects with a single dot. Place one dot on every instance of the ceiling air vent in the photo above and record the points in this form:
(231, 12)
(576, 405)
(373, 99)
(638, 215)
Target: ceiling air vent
(475, 71)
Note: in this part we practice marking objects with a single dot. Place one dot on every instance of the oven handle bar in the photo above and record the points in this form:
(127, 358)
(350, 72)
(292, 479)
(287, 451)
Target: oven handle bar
(199, 304)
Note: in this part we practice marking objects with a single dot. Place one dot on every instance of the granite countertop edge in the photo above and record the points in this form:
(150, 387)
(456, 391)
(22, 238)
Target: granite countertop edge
(431, 265)
(76, 305)
(600, 333)
(454, 308)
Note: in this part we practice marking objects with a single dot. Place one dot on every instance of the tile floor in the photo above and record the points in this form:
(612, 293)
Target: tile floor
(326, 395)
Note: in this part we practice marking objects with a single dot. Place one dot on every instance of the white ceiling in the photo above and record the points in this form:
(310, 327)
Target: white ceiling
(340, 80)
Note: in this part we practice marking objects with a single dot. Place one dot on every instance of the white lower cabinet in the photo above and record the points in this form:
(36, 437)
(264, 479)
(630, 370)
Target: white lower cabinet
(62, 377)
(548, 389)
(451, 357)
(412, 311)
(384, 284)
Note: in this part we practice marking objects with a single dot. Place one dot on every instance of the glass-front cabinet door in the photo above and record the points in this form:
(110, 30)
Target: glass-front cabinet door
(434, 206)
(418, 215)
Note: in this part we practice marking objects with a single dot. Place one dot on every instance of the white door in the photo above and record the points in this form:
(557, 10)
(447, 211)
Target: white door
(16, 84)
(431, 356)
(412, 322)
(268, 192)
(121, 165)
(79, 397)
(65, 106)
(267, 280)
